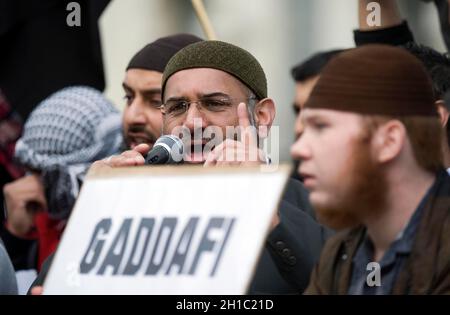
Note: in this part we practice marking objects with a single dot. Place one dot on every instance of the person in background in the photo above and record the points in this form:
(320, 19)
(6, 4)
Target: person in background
(63, 135)
(305, 75)
(142, 118)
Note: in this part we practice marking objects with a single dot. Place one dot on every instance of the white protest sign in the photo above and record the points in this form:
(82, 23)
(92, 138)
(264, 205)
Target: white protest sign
(166, 230)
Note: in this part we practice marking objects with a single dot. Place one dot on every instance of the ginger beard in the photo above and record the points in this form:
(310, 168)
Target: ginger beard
(361, 194)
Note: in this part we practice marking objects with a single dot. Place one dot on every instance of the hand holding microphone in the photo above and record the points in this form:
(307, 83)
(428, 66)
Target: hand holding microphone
(168, 149)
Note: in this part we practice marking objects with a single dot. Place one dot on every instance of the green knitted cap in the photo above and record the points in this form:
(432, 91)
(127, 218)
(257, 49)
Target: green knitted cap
(221, 56)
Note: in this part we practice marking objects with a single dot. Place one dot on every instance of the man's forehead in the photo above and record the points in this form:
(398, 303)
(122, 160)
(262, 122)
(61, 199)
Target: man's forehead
(202, 81)
(309, 113)
(329, 114)
(142, 80)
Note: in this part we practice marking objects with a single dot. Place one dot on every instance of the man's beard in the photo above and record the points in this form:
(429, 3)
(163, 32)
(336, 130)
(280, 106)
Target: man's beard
(137, 134)
(363, 192)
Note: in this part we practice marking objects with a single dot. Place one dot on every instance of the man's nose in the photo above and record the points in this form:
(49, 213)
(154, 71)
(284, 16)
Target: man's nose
(194, 118)
(135, 113)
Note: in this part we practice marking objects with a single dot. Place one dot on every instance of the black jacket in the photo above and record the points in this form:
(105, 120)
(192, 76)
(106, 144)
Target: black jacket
(296, 243)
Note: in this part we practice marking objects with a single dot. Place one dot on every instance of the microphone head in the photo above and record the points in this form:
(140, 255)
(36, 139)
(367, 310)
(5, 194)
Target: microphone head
(168, 149)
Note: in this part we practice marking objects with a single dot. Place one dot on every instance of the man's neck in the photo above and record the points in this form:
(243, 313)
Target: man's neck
(404, 195)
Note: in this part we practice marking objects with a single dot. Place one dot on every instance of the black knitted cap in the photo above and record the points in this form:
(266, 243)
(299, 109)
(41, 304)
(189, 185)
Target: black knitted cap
(221, 56)
(155, 55)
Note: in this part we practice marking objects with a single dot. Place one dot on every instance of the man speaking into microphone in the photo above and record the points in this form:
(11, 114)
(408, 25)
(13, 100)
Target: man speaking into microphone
(202, 90)
(219, 86)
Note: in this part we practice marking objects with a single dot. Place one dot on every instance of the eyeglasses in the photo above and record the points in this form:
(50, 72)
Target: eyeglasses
(176, 108)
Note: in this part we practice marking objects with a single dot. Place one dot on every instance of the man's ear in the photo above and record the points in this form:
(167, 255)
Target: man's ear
(443, 112)
(389, 140)
(264, 114)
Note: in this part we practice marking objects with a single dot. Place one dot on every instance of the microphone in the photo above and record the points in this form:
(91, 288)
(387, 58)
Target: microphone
(168, 149)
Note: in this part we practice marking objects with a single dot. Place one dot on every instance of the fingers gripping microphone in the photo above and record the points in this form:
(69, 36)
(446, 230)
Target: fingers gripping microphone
(168, 149)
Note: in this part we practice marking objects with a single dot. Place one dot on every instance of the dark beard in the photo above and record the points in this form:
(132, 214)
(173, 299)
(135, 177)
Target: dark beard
(363, 195)
(138, 129)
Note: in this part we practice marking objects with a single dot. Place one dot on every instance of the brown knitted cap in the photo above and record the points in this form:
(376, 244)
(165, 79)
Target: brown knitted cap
(375, 80)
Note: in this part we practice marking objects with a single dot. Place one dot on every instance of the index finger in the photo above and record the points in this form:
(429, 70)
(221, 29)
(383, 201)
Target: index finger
(248, 133)
(142, 148)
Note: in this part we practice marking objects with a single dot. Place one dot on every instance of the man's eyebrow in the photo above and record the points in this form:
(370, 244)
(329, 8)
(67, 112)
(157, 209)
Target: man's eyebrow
(126, 87)
(313, 118)
(147, 93)
(177, 98)
(215, 94)
(151, 92)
